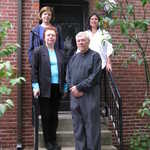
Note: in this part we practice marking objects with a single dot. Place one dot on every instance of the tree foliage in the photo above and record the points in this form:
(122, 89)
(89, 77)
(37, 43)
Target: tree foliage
(134, 28)
(8, 76)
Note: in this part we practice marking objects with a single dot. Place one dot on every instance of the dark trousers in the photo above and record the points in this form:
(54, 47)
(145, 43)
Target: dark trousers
(49, 114)
(103, 91)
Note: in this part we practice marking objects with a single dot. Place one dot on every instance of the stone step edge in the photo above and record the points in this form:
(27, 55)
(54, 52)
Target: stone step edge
(71, 132)
(105, 147)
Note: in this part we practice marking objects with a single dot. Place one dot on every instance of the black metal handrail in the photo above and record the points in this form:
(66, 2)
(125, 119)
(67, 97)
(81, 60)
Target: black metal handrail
(114, 105)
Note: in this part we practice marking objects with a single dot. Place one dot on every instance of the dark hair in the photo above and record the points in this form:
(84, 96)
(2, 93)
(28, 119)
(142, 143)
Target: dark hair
(91, 15)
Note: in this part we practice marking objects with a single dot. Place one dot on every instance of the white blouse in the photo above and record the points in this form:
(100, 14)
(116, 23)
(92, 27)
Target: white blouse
(99, 43)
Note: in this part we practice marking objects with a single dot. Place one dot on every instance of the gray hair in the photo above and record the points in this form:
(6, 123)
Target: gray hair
(82, 33)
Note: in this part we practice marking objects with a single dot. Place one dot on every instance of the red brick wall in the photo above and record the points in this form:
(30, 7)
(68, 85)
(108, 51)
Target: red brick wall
(30, 19)
(130, 81)
(8, 11)
(8, 124)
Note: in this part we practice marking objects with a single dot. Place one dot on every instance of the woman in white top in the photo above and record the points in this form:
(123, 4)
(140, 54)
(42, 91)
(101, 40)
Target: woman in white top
(99, 41)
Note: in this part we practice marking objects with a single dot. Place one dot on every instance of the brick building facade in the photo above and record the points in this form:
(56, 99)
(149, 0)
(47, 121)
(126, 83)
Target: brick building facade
(130, 81)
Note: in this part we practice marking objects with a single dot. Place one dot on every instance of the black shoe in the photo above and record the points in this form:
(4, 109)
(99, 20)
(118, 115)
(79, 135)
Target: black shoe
(49, 146)
(104, 111)
(57, 147)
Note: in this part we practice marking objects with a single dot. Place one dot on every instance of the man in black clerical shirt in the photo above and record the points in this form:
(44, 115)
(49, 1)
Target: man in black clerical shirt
(83, 79)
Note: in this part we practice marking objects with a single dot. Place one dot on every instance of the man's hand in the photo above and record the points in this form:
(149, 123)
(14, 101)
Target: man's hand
(36, 93)
(74, 91)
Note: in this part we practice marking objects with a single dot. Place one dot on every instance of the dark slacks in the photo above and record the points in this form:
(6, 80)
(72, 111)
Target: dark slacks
(49, 114)
(86, 120)
(103, 91)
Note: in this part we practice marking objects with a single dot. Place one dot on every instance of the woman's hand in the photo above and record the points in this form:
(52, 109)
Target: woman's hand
(36, 93)
(108, 64)
(65, 95)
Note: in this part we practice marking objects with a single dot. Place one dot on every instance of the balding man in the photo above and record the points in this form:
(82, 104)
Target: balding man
(83, 77)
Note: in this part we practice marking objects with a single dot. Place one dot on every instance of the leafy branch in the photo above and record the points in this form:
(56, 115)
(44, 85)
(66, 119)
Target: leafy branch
(8, 78)
(134, 28)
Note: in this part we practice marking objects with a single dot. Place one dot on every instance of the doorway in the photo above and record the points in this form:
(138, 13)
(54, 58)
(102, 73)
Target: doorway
(71, 16)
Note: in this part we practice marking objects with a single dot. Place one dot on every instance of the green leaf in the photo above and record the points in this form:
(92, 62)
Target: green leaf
(118, 48)
(5, 70)
(18, 80)
(9, 103)
(131, 25)
(146, 111)
(142, 25)
(142, 113)
(2, 109)
(123, 28)
(130, 9)
(113, 22)
(9, 49)
(146, 21)
(100, 5)
(2, 72)
(140, 61)
(144, 2)
(8, 65)
(4, 26)
(146, 102)
(4, 90)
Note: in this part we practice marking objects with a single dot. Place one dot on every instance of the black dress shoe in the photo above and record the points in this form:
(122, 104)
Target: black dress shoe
(49, 146)
(57, 147)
